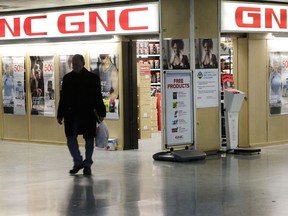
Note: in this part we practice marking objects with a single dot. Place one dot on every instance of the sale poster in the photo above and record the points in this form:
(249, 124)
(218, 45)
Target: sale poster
(42, 85)
(13, 81)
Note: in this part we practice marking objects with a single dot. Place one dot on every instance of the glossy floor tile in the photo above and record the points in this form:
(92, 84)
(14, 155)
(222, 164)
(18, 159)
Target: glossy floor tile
(34, 180)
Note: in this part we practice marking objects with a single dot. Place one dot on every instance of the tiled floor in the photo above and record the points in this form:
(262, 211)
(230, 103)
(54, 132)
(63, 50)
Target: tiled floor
(34, 180)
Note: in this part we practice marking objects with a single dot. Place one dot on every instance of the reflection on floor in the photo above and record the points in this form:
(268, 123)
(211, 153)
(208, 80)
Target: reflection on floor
(34, 180)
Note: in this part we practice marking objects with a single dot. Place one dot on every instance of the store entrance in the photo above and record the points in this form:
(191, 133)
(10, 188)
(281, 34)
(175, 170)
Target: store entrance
(146, 87)
(227, 81)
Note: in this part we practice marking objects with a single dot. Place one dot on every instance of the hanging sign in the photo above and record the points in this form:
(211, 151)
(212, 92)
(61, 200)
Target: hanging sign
(13, 79)
(42, 85)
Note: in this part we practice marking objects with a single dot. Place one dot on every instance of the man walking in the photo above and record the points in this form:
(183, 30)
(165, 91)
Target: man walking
(80, 104)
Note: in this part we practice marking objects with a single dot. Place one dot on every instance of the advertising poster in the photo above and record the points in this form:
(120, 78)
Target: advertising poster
(206, 52)
(207, 88)
(179, 112)
(42, 85)
(278, 82)
(65, 62)
(176, 54)
(13, 88)
(105, 65)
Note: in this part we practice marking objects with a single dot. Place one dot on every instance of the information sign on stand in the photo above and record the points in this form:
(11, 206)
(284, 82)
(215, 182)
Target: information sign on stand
(178, 105)
(179, 118)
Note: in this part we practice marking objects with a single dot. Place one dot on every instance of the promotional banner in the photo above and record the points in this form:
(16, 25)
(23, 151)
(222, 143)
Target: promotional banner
(42, 85)
(278, 82)
(65, 62)
(179, 111)
(207, 88)
(105, 65)
(13, 90)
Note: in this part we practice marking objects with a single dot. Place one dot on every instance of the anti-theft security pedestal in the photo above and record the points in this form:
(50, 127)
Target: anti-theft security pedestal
(233, 100)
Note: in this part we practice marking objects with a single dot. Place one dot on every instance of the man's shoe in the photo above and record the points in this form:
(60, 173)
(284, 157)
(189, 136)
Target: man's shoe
(87, 171)
(76, 169)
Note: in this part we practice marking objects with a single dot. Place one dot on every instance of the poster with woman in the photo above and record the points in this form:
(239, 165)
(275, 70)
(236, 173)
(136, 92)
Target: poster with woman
(105, 65)
(206, 52)
(42, 85)
(176, 54)
(13, 89)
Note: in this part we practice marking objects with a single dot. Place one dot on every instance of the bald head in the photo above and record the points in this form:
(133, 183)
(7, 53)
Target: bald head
(78, 63)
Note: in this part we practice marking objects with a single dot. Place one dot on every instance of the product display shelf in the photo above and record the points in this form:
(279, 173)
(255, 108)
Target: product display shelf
(148, 52)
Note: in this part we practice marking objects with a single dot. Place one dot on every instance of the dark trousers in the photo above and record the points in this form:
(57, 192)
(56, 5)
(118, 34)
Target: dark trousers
(73, 147)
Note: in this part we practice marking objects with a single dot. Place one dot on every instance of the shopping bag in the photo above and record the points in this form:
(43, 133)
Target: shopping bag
(102, 135)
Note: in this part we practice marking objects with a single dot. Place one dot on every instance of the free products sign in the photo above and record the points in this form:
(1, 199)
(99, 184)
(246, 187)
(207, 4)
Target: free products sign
(178, 103)
(253, 17)
(98, 21)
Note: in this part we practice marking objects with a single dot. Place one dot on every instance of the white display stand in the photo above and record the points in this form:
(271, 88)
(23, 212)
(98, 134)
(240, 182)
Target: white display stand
(233, 100)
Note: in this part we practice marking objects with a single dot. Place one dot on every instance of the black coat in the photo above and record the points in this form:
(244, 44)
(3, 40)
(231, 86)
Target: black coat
(80, 96)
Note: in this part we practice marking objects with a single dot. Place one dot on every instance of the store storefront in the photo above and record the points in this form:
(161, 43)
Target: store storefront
(258, 46)
(260, 55)
(36, 50)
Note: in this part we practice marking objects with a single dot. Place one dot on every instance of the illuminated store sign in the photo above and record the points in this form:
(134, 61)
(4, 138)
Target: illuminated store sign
(249, 17)
(99, 21)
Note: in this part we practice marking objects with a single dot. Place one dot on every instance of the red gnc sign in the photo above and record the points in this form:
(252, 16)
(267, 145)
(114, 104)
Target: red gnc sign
(252, 17)
(99, 21)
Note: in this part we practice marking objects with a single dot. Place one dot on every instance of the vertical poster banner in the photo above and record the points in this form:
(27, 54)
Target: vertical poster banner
(278, 82)
(179, 112)
(42, 85)
(13, 89)
(105, 65)
(207, 88)
(65, 67)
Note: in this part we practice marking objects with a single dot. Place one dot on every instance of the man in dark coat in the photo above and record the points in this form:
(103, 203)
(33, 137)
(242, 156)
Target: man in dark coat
(80, 102)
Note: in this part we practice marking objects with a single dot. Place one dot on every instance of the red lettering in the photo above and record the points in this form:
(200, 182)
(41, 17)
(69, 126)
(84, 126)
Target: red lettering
(62, 24)
(69, 23)
(269, 12)
(15, 31)
(124, 19)
(255, 15)
(28, 26)
(178, 81)
(94, 16)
